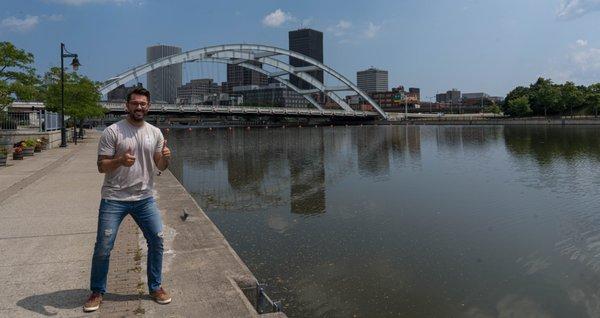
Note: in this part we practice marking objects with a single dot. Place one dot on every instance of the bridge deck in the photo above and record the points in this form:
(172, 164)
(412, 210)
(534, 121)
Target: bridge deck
(244, 110)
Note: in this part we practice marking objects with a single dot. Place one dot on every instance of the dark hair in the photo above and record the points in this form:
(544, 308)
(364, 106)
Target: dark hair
(139, 91)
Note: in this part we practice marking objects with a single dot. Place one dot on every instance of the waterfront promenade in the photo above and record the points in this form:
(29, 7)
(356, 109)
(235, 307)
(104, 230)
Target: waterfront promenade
(49, 206)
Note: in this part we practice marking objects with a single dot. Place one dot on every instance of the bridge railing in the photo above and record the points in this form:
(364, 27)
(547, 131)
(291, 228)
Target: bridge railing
(222, 109)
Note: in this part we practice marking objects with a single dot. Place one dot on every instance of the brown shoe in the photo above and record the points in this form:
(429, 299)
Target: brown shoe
(93, 303)
(161, 296)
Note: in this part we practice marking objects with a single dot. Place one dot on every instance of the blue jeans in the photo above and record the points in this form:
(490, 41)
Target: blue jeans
(147, 216)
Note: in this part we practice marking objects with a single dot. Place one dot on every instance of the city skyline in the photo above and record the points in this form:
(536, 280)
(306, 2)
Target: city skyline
(473, 46)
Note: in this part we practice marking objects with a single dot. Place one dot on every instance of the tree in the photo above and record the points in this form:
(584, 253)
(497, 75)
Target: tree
(592, 98)
(519, 106)
(515, 93)
(17, 76)
(570, 95)
(544, 96)
(81, 95)
(493, 108)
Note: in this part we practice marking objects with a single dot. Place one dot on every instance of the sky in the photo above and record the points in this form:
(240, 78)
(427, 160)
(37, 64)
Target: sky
(472, 45)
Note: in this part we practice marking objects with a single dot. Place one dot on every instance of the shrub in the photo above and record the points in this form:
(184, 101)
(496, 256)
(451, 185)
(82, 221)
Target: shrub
(29, 143)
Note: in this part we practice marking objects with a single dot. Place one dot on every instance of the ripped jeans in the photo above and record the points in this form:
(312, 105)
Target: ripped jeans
(147, 216)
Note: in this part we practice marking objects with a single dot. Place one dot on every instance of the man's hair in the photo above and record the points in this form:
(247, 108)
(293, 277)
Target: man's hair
(139, 91)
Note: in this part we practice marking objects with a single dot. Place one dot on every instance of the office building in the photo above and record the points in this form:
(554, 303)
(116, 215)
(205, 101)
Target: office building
(241, 76)
(415, 92)
(372, 80)
(451, 97)
(275, 95)
(196, 90)
(119, 94)
(163, 82)
(310, 43)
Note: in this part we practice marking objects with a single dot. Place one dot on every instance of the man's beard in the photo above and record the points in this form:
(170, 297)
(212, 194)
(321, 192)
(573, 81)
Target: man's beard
(137, 116)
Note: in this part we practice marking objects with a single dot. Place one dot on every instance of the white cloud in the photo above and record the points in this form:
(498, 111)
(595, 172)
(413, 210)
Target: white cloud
(371, 30)
(340, 28)
(571, 9)
(586, 59)
(307, 22)
(581, 64)
(20, 25)
(277, 18)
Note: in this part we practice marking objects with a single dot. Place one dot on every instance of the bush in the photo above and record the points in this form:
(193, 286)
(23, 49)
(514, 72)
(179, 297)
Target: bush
(29, 143)
(519, 106)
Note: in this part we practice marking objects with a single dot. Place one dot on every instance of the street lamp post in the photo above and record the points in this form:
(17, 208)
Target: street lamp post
(75, 64)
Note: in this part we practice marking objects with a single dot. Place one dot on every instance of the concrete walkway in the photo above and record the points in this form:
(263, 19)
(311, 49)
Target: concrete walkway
(49, 206)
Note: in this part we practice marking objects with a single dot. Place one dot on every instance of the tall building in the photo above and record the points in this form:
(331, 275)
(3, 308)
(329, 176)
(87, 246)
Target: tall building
(272, 95)
(372, 80)
(416, 92)
(163, 82)
(310, 43)
(440, 98)
(241, 76)
(120, 92)
(453, 96)
(195, 91)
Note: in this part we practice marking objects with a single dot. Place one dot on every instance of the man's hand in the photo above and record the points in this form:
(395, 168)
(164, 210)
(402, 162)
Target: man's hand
(161, 159)
(166, 152)
(128, 159)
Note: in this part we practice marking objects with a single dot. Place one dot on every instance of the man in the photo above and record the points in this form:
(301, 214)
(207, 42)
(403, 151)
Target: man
(128, 153)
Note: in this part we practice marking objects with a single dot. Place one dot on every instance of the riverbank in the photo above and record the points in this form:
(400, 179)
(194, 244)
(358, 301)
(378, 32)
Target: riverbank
(501, 121)
(49, 205)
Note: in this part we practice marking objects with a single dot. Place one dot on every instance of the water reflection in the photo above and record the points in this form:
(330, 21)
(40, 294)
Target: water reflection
(547, 144)
(438, 221)
(307, 171)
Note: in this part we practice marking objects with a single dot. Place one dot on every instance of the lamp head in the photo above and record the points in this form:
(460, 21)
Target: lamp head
(75, 63)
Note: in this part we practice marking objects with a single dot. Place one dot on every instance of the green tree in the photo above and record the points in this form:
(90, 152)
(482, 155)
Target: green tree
(519, 106)
(17, 75)
(544, 96)
(570, 95)
(515, 93)
(493, 108)
(81, 95)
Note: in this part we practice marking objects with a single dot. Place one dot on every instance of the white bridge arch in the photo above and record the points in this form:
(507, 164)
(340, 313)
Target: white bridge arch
(240, 54)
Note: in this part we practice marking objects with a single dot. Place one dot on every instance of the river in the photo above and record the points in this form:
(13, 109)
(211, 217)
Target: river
(411, 221)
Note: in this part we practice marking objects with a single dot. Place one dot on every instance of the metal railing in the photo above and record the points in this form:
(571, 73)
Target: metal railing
(17, 120)
(51, 121)
(36, 120)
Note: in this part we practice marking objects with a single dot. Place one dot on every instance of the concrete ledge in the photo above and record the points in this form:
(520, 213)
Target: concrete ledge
(201, 269)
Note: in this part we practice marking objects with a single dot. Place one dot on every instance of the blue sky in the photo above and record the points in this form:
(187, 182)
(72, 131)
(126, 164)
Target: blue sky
(472, 45)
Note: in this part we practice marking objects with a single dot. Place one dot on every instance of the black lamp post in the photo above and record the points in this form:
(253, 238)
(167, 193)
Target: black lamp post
(75, 64)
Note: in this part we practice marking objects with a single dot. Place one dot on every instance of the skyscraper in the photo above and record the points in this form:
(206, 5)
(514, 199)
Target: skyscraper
(372, 80)
(241, 76)
(163, 82)
(310, 43)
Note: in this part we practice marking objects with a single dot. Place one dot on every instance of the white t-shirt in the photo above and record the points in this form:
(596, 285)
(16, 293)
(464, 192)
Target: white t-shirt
(136, 182)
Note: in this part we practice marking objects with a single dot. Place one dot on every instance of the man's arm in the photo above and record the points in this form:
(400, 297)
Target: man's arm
(110, 163)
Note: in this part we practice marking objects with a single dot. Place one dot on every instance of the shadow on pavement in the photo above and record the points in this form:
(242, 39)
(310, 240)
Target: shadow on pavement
(66, 299)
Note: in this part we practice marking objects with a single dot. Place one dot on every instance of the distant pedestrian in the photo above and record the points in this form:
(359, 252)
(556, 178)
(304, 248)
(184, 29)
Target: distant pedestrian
(128, 154)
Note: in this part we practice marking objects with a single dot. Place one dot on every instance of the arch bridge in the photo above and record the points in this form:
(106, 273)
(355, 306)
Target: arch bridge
(243, 55)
